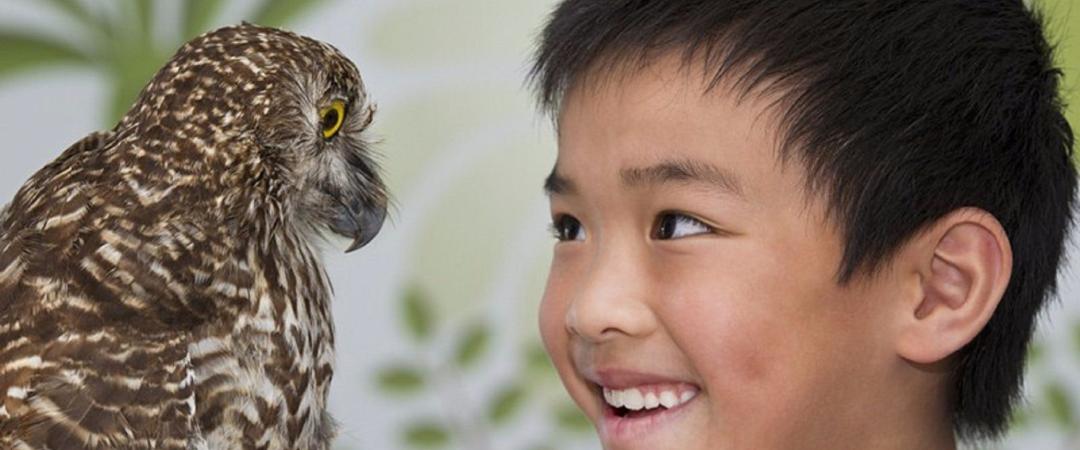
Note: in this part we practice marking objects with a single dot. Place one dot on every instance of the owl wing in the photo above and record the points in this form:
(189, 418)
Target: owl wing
(35, 193)
(105, 390)
(93, 343)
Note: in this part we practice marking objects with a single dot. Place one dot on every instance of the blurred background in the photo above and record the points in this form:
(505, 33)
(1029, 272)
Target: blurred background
(437, 341)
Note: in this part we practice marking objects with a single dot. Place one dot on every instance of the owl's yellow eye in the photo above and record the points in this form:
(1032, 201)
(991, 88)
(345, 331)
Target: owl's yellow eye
(331, 118)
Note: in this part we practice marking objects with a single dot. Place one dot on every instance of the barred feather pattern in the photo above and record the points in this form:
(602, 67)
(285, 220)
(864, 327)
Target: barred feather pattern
(160, 283)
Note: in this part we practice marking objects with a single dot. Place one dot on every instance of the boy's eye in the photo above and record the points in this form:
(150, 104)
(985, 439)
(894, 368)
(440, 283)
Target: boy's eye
(567, 228)
(675, 226)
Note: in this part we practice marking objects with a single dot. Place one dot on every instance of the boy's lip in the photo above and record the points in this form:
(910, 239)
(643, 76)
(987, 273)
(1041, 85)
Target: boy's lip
(628, 432)
(616, 378)
(641, 432)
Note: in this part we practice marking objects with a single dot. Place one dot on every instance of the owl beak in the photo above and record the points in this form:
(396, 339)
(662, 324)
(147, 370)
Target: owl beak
(369, 221)
(360, 221)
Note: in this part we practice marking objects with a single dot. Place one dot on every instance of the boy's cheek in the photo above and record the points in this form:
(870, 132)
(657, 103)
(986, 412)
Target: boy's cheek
(748, 334)
(756, 381)
(552, 316)
(732, 349)
(553, 332)
(563, 282)
(769, 359)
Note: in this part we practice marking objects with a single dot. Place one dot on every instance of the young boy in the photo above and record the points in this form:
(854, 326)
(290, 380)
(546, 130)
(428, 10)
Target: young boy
(800, 223)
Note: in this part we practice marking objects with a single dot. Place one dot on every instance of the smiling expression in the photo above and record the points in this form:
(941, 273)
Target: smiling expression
(692, 301)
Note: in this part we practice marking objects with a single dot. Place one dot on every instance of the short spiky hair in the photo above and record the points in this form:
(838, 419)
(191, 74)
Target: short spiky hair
(901, 110)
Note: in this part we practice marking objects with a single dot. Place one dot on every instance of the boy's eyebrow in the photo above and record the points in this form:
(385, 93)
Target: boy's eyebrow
(556, 184)
(682, 170)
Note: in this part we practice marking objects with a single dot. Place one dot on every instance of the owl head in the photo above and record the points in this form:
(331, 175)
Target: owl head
(272, 125)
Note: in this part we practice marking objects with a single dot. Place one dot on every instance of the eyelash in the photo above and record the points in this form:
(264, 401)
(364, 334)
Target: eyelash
(562, 225)
(669, 219)
(565, 227)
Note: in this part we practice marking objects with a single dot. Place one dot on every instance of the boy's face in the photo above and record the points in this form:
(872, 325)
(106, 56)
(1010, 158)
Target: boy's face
(694, 271)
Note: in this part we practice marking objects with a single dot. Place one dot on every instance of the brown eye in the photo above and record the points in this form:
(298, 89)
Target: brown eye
(567, 228)
(675, 226)
(331, 118)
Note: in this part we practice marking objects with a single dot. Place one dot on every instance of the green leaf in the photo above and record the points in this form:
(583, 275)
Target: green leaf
(19, 51)
(400, 380)
(1061, 408)
(199, 16)
(426, 435)
(275, 13)
(472, 345)
(569, 418)
(506, 404)
(417, 313)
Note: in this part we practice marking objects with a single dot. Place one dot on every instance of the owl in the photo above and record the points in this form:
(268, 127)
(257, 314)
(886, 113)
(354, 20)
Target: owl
(160, 282)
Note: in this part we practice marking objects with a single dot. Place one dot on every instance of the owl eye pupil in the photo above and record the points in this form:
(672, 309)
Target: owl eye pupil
(330, 120)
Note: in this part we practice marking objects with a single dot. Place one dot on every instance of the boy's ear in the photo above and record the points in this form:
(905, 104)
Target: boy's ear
(962, 266)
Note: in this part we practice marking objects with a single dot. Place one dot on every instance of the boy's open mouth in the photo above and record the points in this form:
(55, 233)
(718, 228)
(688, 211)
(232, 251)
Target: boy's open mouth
(646, 400)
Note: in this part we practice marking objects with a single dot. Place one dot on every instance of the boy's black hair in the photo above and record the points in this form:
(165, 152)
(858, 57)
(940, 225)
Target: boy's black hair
(901, 110)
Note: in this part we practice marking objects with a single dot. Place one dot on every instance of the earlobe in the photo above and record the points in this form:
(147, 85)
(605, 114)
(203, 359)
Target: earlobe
(963, 269)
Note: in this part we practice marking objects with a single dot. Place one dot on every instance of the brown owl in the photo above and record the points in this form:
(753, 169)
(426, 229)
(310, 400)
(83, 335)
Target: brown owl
(160, 283)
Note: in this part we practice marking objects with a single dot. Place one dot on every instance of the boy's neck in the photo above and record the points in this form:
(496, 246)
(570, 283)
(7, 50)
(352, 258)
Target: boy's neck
(918, 414)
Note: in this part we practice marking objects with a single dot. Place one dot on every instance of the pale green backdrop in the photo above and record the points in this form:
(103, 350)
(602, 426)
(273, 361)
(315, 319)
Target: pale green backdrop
(438, 345)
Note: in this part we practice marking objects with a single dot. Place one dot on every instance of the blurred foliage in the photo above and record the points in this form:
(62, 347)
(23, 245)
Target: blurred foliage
(472, 345)
(1063, 24)
(506, 404)
(439, 379)
(1076, 337)
(416, 313)
(1061, 407)
(537, 361)
(401, 380)
(570, 418)
(1054, 403)
(21, 51)
(427, 434)
(121, 40)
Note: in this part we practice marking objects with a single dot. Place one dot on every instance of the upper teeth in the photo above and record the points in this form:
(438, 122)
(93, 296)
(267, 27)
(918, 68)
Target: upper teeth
(634, 399)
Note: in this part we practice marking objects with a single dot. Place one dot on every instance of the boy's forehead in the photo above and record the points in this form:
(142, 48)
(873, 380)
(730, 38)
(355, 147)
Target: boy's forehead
(633, 77)
(624, 84)
(664, 120)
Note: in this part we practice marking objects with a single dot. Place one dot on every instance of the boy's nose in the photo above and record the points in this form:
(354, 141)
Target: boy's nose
(612, 300)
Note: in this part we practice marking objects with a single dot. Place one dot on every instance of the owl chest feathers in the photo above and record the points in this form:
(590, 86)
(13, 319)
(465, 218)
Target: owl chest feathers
(262, 374)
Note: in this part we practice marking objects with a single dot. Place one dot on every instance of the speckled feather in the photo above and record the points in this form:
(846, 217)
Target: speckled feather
(160, 283)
